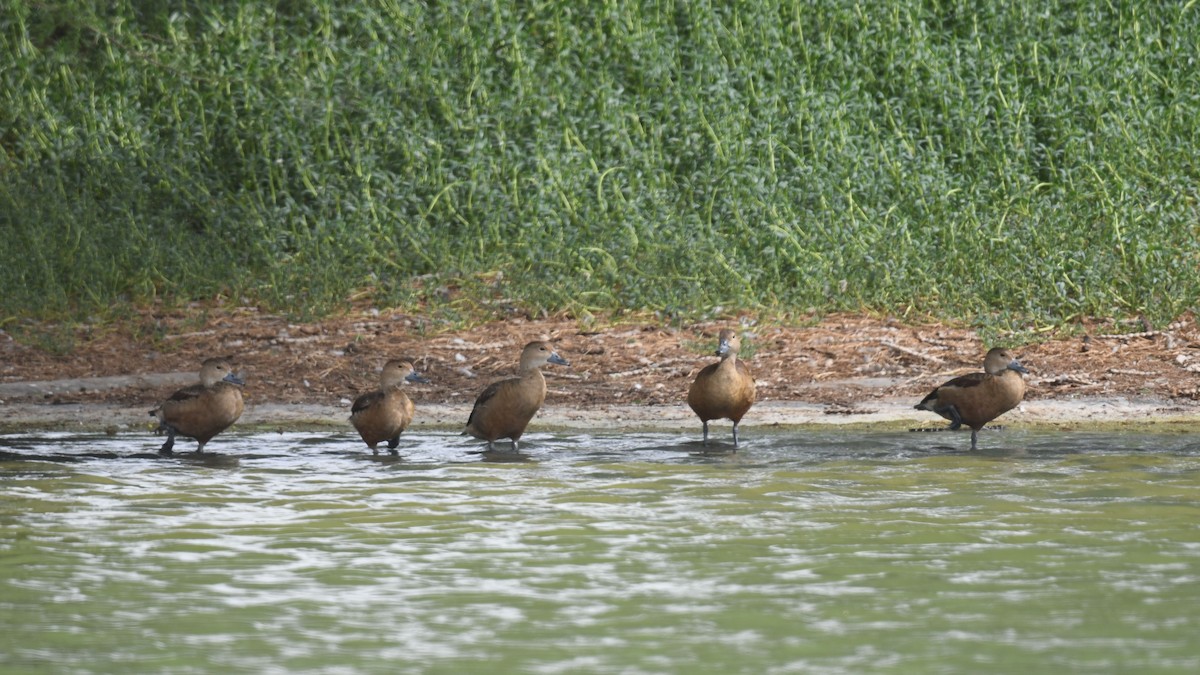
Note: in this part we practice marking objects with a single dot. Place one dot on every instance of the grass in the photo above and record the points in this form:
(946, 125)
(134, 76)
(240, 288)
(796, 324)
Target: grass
(1010, 164)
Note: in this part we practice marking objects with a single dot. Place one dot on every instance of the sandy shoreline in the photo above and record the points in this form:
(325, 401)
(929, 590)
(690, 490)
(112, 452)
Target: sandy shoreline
(1079, 413)
(843, 371)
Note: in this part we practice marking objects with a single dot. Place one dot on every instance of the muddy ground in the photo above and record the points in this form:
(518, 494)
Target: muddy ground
(839, 368)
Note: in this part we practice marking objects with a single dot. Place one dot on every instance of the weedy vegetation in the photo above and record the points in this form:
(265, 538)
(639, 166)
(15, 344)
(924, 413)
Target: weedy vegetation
(1003, 164)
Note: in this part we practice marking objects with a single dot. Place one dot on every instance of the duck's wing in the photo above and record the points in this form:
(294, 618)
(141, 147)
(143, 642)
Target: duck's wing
(187, 393)
(484, 396)
(366, 401)
(960, 382)
(964, 381)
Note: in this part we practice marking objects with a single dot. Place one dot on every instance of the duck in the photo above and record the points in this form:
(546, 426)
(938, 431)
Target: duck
(201, 411)
(978, 398)
(384, 414)
(504, 408)
(725, 389)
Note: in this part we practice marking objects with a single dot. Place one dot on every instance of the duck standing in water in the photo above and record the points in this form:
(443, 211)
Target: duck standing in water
(504, 409)
(201, 411)
(384, 414)
(979, 398)
(723, 390)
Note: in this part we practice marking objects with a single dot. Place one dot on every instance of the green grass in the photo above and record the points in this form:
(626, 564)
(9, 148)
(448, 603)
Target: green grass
(1006, 164)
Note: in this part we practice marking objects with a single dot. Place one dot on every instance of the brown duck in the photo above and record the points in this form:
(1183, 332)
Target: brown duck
(979, 398)
(504, 409)
(725, 389)
(384, 414)
(201, 411)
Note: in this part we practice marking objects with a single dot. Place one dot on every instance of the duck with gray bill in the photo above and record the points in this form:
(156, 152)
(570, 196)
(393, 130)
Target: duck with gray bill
(504, 409)
(979, 398)
(725, 389)
(203, 410)
(384, 414)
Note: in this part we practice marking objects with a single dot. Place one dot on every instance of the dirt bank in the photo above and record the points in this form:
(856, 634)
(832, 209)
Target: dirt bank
(840, 370)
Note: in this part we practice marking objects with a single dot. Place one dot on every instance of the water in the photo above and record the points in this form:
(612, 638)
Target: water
(830, 552)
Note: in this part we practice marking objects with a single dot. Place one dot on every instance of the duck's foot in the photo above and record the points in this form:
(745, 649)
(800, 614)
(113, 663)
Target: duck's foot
(168, 447)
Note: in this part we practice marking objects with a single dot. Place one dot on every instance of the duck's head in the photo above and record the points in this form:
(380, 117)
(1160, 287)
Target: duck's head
(999, 359)
(728, 343)
(396, 371)
(538, 353)
(217, 369)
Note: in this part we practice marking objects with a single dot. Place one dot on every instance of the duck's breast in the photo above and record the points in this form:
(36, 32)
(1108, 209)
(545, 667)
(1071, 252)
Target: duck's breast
(506, 407)
(722, 390)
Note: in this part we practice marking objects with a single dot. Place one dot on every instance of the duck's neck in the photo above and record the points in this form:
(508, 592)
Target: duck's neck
(533, 377)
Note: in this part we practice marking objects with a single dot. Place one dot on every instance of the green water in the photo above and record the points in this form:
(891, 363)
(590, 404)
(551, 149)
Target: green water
(832, 552)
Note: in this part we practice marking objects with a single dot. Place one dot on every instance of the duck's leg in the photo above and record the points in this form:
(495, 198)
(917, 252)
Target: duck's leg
(735, 440)
(514, 445)
(974, 435)
(705, 423)
(200, 449)
(955, 418)
(168, 447)
(393, 443)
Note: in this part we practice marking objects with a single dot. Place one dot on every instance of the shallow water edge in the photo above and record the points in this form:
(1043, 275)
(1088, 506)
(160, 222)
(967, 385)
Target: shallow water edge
(823, 551)
(1095, 413)
(1149, 414)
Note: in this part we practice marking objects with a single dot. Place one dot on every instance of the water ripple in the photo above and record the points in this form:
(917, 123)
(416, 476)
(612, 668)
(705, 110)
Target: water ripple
(602, 553)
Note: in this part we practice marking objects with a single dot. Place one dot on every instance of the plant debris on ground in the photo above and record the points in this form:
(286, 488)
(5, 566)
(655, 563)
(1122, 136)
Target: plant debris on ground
(839, 360)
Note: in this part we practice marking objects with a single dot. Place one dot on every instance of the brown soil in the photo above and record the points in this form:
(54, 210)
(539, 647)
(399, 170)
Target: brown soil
(839, 361)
